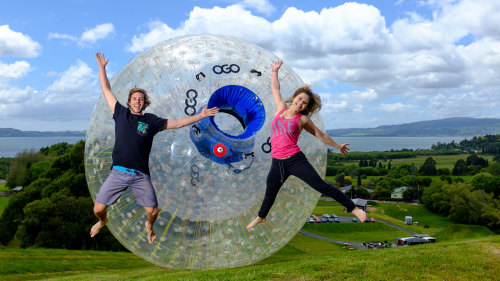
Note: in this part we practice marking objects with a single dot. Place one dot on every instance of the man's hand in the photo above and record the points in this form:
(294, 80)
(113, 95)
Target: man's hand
(101, 60)
(205, 112)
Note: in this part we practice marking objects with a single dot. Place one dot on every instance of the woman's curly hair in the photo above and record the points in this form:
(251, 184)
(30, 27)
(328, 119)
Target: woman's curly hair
(314, 100)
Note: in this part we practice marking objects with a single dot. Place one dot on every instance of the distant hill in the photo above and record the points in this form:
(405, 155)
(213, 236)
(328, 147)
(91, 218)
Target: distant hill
(456, 126)
(9, 132)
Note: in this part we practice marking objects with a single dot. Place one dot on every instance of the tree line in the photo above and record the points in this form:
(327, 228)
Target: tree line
(54, 208)
(488, 144)
(476, 202)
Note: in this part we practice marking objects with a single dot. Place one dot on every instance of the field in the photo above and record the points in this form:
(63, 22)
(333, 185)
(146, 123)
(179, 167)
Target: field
(442, 161)
(463, 252)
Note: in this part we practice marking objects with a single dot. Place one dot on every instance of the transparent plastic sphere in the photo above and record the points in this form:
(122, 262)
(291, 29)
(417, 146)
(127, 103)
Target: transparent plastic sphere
(205, 204)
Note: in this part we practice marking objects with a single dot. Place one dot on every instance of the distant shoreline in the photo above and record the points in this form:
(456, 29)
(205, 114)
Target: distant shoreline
(10, 132)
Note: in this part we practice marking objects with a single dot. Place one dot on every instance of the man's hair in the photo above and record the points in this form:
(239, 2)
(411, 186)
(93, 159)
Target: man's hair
(146, 98)
(314, 100)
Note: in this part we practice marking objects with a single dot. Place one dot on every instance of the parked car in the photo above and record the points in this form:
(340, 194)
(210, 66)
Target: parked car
(323, 219)
(326, 215)
(315, 218)
(367, 220)
(311, 220)
(372, 220)
(354, 220)
(337, 219)
(333, 216)
(331, 219)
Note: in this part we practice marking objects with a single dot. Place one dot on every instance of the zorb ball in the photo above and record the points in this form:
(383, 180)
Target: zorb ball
(209, 177)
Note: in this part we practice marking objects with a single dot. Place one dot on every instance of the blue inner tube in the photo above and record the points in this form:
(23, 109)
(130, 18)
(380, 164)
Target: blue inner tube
(241, 103)
(219, 146)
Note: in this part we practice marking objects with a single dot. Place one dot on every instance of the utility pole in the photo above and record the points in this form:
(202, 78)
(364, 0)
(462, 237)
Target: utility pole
(418, 188)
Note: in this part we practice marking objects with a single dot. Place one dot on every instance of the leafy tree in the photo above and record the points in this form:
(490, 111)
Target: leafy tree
(382, 192)
(38, 169)
(460, 168)
(474, 160)
(331, 171)
(487, 182)
(5, 166)
(340, 178)
(13, 213)
(429, 167)
(19, 169)
(494, 169)
(57, 149)
(56, 209)
(443, 171)
(427, 193)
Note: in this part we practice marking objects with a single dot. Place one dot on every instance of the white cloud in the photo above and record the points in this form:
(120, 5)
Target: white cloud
(88, 37)
(53, 35)
(208, 21)
(68, 100)
(424, 60)
(15, 70)
(261, 6)
(99, 32)
(16, 44)
(394, 107)
(73, 80)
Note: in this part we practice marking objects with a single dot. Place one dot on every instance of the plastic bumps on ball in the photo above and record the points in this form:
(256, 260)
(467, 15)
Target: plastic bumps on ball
(210, 177)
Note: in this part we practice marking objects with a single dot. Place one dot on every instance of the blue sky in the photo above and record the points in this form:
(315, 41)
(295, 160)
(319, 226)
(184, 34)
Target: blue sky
(373, 62)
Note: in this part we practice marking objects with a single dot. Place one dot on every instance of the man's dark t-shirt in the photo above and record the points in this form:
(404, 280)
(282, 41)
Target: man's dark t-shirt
(134, 138)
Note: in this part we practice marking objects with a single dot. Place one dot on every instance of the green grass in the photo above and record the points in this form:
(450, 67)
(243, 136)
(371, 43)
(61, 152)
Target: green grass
(356, 232)
(463, 252)
(3, 199)
(329, 207)
(4, 188)
(463, 231)
(439, 226)
(442, 161)
(472, 259)
(305, 244)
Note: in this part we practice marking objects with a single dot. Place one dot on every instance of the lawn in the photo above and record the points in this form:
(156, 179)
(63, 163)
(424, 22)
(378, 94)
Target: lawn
(356, 232)
(463, 252)
(442, 161)
(4, 188)
(4, 200)
(472, 259)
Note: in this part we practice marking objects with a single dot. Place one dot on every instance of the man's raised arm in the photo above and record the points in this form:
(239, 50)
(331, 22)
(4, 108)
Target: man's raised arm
(103, 77)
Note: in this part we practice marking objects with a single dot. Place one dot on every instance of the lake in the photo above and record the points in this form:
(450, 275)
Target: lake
(364, 144)
(10, 146)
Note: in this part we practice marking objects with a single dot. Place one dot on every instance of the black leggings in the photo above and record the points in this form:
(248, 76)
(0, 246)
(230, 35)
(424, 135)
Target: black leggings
(298, 166)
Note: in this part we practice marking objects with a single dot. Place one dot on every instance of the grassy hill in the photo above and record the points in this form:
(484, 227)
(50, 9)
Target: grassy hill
(472, 259)
(457, 126)
(463, 252)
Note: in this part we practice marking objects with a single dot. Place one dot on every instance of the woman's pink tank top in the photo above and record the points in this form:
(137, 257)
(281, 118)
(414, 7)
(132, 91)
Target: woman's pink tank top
(284, 136)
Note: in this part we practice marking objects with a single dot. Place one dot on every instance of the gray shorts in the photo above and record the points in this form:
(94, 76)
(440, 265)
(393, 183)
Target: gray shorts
(118, 181)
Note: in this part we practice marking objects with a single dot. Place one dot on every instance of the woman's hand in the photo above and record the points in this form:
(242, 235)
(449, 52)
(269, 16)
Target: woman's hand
(344, 149)
(276, 66)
